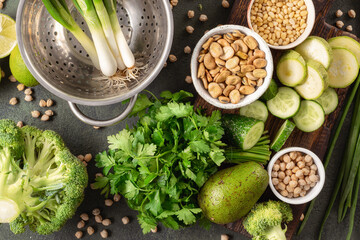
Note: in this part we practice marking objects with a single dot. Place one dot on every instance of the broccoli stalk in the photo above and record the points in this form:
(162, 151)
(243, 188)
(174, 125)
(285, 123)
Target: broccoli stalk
(265, 219)
(41, 182)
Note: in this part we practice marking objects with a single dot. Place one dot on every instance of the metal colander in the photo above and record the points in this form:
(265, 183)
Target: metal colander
(61, 65)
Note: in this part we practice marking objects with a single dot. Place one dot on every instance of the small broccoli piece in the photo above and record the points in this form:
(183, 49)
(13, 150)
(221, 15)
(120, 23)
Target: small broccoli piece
(41, 182)
(265, 219)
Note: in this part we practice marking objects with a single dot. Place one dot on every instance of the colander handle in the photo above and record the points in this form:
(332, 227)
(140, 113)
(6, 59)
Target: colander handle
(102, 123)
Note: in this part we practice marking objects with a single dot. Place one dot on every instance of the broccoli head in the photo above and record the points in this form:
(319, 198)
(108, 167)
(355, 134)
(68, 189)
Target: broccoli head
(265, 219)
(41, 182)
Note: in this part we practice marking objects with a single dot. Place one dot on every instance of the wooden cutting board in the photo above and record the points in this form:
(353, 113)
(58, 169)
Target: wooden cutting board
(316, 141)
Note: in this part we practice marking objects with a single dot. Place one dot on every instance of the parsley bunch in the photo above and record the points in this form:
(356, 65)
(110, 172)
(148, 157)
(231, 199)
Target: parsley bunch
(160, 165)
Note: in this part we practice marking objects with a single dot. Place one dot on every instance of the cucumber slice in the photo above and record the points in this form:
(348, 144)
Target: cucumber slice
(291, 69)
(344, 68)
(310, 117)
(257, 110)
(315, 83)
(346, 42)
(242, 131)
(328, 100)
(282, 135)
(285, 104)
(316, 48)
(271, 91)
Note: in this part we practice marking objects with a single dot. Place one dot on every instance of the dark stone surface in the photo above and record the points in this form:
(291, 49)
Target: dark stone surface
(82, 139)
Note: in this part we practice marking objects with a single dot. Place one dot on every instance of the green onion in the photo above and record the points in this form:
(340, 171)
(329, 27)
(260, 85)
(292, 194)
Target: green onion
(108, 31)
(353, 205)
(108, 64)
(125, 51)
(329, 154)
(60, 12)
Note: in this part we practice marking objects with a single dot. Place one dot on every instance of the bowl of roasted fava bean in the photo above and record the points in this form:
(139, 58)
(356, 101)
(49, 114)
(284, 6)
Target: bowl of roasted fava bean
(231, 66)
(296, 175)
(282, 24)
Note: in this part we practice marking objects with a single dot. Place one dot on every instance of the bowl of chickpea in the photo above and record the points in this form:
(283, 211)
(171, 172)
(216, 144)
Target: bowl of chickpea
(296, 175)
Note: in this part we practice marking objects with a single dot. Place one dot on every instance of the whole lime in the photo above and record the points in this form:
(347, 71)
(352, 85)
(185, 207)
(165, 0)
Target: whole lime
(19, 69)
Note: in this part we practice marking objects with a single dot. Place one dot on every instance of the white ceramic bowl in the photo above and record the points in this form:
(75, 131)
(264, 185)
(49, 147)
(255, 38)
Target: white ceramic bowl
(247, 99)
(313, 192)
(310, 24)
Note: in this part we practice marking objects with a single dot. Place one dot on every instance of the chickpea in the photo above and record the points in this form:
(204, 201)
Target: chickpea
(306, 187)
(286, 180)
(289, 189)
(307, 179)
(308, 158)
(313, 167)
(297, 190)
(293, 184)
(301, 164)
(294, 177)
(276, 167)
(288, 172)
(286, 158)
(293, 155)
(302, 182)
(306, 171)
(281, 175)
(299, 173)
(281, 186)
(284, 193)
(314, 178)
(282, 166)
(312, 184)
(295, 169)
(275, 181)
(290, 165)
(290, 195)
(303, 193)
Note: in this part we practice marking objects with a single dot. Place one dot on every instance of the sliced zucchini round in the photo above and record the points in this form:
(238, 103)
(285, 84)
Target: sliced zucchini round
(282, 135)
(271, 91)
(346, 42)
(310, 117)
(257, 110)
(285, 104)
(291, 69)
(344, 68)
(329, 100)
(315, 82)
(316, 48)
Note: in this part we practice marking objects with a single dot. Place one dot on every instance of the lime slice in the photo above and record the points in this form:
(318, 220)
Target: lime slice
(7, 35)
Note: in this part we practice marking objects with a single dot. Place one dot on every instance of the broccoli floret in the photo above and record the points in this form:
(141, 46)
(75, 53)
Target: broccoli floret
(41, 182)
(265, 219)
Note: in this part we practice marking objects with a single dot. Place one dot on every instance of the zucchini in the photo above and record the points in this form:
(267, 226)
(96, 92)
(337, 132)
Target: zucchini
(257, 110)
(346, 42)
(329, 100)
(344, 68)
(282, 135)
(315, 83)
(243, 132)
(316, 48)
(291, 69)
(310, 117)
(271, 91)
(285, 104)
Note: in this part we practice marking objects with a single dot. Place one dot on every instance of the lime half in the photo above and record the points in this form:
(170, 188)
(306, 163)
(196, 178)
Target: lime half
(7, 35)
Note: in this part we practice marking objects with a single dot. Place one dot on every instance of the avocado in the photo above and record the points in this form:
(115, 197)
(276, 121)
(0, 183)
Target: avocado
(230, 194)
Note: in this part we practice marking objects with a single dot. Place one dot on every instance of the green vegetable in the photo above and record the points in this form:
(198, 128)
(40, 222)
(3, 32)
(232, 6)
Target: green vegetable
(291, 69)
(242, 132)
(60, 12)
(257, 110)
(329, 100)
(271, 91)
(346, 42)
(160, 164)
(285, 104)
(282, 135)
(328, 157)
(265, 219)
(310, 117)
(230, 193)
(41, 182)
(260, 153)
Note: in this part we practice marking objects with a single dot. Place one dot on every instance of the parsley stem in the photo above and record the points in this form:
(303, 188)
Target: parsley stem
(152, 95)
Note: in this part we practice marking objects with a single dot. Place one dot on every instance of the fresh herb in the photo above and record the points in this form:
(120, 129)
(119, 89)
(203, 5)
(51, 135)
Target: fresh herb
(161, 163)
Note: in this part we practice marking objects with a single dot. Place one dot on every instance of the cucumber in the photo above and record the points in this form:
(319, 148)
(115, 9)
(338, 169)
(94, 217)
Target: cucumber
(271, 91)
(346, 42)
(316, 48)
(257, 110)
(282, 135)
(344, 68)
(328, 100)
(316, 81)
(285, 104)
(291, 69)
(310, 117)
(243, 132)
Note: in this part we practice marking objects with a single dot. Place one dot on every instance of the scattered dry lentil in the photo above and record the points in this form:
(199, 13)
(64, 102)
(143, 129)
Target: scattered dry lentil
(90, 230)
(188, 79)
(352, 13)
(224, 237)
(96, 211)
(81, 157)
(96, 127)
(174, 3)
(98, 218)
(13, 101)
(49, 113)
(104, 233)
(45, 118)
(81, 224)
(109, 202)
(172, 58)
(203, 18)
(349, 28)
(79, 234)
(189, 29)
(84, 216)
(106, 222)
(187, 50)
(20, 87)
(12, 79)
(28, 91)
(49, 103)
(88, 157)
(117, 197)
(35, 114)
(20, 124)
(339, 13)
(154, 230)
(125, 220)
(225, 4)
(42, 103)
(191, 14)
(339, 24)
(28, 98)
